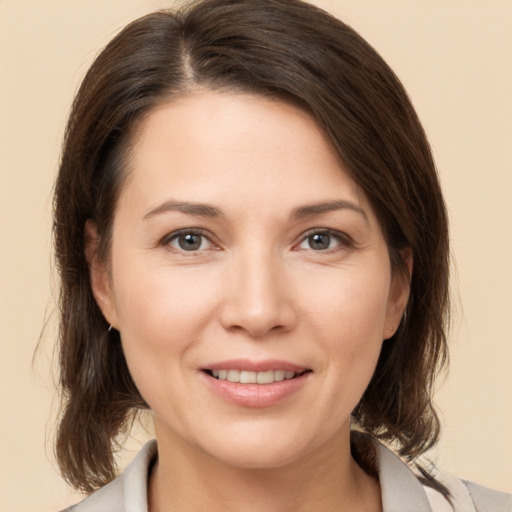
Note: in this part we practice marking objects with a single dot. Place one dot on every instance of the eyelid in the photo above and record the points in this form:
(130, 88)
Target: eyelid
(166, 240)
(344, 239)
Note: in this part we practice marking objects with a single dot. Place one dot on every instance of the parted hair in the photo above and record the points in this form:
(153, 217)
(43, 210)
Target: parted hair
(286, 50)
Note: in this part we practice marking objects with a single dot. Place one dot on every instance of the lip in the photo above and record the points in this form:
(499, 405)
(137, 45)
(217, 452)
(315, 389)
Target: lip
(255, 366)
(255, 395)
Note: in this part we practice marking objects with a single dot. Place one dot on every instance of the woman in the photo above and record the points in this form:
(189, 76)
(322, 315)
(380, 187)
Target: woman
(253, 245)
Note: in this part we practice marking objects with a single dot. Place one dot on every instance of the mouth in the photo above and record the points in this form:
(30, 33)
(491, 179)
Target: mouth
(255, 384)
(252, 377)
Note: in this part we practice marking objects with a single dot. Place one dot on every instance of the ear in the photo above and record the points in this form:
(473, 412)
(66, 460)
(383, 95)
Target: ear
(398, 294)
(98, 274)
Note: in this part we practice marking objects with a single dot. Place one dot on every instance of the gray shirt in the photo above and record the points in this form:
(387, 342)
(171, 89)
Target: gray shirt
(401, 490)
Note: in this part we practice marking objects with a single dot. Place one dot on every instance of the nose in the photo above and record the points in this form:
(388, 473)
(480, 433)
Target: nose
(257, 299)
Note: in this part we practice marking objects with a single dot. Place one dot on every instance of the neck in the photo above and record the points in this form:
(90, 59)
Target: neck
(185, 480)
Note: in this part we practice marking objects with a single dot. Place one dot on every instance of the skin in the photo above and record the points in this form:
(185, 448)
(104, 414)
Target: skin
(256, 288)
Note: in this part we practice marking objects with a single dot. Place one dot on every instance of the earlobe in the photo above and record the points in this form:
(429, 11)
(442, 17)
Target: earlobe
(398, 294)
(98, 274)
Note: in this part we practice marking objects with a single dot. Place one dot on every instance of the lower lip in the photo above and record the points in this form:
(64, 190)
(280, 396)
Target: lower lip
(255, 395)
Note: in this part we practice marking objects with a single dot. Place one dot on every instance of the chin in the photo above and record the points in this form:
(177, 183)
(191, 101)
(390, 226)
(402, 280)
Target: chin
(251, 455)
(260, 446)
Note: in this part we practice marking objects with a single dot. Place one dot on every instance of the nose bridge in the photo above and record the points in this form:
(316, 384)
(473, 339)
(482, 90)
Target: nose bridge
(257, 298)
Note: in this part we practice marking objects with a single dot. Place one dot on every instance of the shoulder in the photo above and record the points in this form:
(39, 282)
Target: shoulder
(108, 498)
(471, 497)
(488, 500)
(468, 497)
(129, 488)
(401, 487)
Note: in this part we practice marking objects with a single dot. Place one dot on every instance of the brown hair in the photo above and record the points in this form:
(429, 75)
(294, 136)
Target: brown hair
(284, 49)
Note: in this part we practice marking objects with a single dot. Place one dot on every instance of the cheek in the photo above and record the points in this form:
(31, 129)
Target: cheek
(348, 304)
(347, 317)
(161, 310)
(162, 316)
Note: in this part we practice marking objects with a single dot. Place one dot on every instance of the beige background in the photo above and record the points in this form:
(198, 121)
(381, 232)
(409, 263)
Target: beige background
(454, 57)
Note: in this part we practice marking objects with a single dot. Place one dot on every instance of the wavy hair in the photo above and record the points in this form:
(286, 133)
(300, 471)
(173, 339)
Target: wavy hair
(283, 49)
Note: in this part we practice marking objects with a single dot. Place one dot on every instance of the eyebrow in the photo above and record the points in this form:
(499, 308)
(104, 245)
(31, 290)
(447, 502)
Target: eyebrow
(197, 209)
(206, 210)
(329, 206)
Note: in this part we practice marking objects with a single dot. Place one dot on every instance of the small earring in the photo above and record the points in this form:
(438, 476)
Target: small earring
(110, 328)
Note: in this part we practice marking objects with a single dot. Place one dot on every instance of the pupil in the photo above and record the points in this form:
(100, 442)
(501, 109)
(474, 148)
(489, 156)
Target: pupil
(320, 241)
(189, 242)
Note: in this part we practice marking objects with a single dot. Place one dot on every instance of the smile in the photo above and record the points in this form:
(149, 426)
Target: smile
(260, 386)
(250, 377)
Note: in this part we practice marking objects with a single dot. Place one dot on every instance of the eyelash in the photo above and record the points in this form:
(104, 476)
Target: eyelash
(167, 240)
(343, 240)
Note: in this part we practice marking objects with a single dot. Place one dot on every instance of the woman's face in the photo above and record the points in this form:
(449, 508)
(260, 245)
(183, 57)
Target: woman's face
(249, 279)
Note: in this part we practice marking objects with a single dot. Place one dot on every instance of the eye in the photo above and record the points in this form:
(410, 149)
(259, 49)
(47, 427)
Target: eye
(323, 241)
(189, 241)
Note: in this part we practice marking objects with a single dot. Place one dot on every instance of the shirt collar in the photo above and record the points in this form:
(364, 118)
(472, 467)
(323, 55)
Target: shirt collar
(401, 489)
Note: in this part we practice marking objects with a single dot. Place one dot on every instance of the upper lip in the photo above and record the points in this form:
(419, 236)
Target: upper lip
(255, 366)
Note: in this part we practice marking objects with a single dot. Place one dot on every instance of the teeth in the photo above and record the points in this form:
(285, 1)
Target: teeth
(247, 377)
(234, 375)
(265, 377)
(279, 375)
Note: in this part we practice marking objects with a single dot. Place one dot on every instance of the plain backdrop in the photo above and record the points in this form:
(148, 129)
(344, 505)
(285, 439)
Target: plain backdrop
(454, 58)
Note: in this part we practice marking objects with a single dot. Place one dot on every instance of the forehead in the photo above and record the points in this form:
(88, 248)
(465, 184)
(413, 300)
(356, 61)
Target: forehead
(211, 146)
